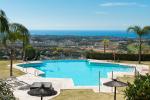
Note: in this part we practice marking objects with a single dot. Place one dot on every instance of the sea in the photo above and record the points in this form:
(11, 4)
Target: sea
(119, 34)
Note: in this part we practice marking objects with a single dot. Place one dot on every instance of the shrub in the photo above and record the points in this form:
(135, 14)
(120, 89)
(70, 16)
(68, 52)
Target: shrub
(109, 56)
(5, 92)
(140, 89)
(31, 53)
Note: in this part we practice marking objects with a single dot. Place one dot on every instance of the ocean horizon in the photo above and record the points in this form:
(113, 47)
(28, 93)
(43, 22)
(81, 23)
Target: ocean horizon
(119, 34)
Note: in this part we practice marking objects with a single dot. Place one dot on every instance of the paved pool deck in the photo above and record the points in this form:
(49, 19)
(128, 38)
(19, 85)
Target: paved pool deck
(67, 83)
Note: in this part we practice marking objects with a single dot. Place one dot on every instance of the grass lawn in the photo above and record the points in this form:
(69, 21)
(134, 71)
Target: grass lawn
(4, 69)
(85, 95)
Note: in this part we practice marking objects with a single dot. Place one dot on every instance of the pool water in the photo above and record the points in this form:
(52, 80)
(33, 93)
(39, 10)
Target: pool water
(82, 72)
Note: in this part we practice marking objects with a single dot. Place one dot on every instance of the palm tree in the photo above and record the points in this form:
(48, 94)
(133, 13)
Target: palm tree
(23, 35)
(10, 33)
(4, 32)
(11, 39)
(140, 32)
(16, 32)
(105, 43)
(4, 26)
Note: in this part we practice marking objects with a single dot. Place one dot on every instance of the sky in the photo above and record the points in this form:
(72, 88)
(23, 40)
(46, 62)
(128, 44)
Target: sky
(77, 14)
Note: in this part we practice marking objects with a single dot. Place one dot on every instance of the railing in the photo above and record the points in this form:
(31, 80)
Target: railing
(99, 81)
(35, 72)
(99, 74)
(136, 72)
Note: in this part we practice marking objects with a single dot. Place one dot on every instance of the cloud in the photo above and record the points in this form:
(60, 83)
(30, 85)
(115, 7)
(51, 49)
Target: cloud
(122, 4)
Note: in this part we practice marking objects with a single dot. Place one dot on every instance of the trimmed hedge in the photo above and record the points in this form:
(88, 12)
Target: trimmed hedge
(109, 56)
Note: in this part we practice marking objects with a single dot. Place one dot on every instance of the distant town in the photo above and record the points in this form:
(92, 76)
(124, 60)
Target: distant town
(74, 47)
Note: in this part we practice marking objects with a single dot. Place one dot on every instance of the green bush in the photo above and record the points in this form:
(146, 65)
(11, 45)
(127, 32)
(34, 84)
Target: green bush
(109, 56)
(140, 89)
(31, 53)
(5, 92)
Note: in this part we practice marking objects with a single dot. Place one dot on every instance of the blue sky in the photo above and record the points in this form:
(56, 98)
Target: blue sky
(77, 14)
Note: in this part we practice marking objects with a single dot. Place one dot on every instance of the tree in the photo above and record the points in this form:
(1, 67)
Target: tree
(140, 89)
(4, 26)
(105, 43)
(4, 32)
(140, 32)
(11, 38)
(132, 48)
(31, 53)
(5, 92)
(23, 35)
(10, 33)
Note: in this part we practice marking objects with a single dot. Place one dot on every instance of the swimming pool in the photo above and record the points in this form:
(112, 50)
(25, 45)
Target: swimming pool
(82, 72)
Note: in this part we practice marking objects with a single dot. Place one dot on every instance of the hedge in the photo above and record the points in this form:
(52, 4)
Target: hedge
(109, 56)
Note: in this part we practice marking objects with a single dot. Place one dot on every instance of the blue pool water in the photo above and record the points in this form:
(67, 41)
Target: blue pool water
(82, 72)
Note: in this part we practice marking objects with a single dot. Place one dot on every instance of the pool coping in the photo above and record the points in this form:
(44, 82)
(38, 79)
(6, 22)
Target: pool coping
(67, 83)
